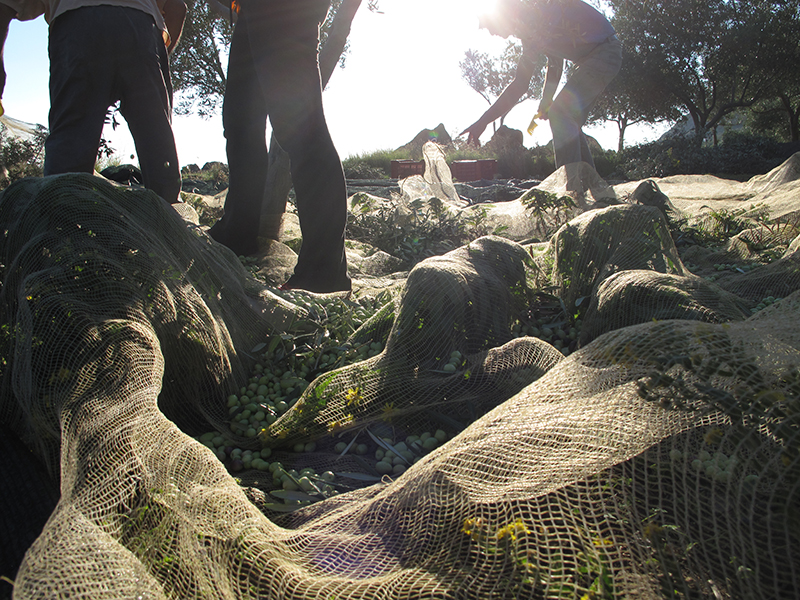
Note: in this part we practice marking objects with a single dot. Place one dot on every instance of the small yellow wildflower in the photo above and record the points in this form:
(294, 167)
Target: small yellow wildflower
(599, 541)
(714, 436)
(387, 411)
(512, 530)
(353, 397)
(336, 426)
(468, 526)
(472, 528)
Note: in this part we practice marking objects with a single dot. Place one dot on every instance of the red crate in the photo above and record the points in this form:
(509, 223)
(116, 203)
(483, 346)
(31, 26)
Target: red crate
(473, 170)
(406, 168)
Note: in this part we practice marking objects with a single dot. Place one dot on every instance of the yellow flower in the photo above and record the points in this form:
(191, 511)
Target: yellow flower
(335, 426)
(472, 528)
(467, 526)
(387, 410)
(512, 530)
(599, 541)
(713, 436)
(353, 397)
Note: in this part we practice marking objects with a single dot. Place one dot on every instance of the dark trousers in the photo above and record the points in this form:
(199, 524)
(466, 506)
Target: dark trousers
(99, 55)
(571, 107)
(273, 72)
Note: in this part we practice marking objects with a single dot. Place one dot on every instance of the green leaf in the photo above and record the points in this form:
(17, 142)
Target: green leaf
(293, 495)
(359, 477)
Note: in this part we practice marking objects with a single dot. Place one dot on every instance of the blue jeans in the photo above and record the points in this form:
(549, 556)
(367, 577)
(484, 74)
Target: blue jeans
(571, 107)
(273, 72)
(99, 55)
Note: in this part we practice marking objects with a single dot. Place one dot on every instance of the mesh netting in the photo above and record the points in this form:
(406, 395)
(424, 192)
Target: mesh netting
(641, 441)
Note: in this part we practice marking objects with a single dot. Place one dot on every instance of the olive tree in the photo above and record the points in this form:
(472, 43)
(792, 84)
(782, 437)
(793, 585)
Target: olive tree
(198, 62)
(713, 57)
(628, 101)
(489, 76)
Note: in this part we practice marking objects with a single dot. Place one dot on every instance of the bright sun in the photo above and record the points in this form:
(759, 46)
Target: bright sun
(469, 9)
(435, 16)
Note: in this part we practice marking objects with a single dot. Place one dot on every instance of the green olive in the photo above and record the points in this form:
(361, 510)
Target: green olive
(384, 468)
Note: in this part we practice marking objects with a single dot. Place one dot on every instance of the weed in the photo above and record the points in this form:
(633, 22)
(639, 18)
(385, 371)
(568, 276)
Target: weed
(430, 230)
(20, 158)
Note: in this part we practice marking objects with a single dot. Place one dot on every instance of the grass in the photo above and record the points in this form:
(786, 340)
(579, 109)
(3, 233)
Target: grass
(377, 164)
(372, 165)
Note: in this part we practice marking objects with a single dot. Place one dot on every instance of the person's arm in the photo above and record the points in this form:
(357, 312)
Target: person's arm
(174, 13)
(6, 15)
(505, 102)
(555, 68)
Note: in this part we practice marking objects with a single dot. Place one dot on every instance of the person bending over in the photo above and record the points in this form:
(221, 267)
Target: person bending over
(562, 30)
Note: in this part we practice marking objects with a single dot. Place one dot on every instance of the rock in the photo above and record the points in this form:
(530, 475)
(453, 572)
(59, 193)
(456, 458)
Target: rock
(506, 138)
(216, 165)
(125, 174)
(512, 156)
(582, 182)
(648, 194)
(438, 135)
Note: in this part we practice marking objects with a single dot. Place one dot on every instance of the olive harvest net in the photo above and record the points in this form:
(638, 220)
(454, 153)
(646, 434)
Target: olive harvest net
(642, 441)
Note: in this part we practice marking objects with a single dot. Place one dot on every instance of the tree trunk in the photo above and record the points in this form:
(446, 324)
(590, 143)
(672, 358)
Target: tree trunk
(792, 116)
(622, 125)
(279, 176)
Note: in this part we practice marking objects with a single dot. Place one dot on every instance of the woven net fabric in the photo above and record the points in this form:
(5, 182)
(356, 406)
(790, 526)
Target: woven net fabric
(84, 260)
(657, 458)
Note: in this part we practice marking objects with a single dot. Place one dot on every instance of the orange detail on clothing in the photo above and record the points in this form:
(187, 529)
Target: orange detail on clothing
(235, 6)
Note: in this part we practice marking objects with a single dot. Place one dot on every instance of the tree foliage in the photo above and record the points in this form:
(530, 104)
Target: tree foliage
(21, 157)
(779, 114)
(199, 62)
(198, 71)
(779, 111)
(712, 56)
(489, 76)
(627, 102)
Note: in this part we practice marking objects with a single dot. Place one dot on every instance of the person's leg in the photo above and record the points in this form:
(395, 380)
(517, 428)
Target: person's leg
(81, 82)
(571, 107)
(586, 153)
(244, 120)
(146, 99)
(284, 40)
(565, 124)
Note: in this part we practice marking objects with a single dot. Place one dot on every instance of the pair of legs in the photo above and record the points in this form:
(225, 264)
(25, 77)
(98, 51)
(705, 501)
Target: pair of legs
(273, 72)
(571, 107)
(99, 55)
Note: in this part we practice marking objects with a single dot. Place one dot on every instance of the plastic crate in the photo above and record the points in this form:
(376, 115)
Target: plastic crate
(406, 168)
(473, 170)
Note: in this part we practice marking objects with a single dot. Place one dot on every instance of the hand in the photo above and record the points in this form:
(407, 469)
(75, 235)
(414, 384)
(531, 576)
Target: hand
(541, 113)
(475, 130)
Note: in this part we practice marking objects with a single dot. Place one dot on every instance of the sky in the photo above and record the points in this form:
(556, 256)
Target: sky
(401, 76)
